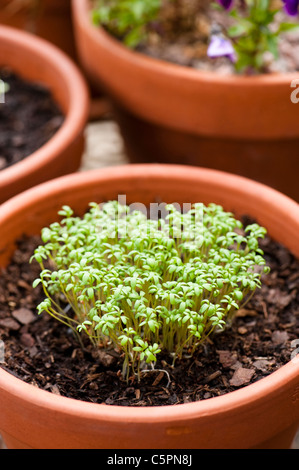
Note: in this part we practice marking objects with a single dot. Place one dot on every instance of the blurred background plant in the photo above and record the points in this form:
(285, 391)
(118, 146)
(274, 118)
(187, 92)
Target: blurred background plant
(247, 32)
(254, 34)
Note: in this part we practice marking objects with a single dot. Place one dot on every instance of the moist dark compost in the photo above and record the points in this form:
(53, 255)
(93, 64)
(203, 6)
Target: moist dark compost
(45, 353)
(28, 119)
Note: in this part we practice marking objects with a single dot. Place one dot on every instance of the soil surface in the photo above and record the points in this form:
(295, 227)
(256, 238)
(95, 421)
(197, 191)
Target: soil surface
(45, 353)
(182, 33)
(28, 119)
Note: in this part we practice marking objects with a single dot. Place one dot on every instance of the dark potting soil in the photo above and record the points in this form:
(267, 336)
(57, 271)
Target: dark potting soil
(43, 352)
(28, 119)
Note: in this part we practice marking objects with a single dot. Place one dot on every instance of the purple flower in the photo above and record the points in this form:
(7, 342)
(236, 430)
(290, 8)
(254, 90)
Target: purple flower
(221, 47)
(226, 3)
(291, 6)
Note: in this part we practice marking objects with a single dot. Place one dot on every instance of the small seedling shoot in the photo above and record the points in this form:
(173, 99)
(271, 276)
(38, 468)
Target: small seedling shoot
(4, 88)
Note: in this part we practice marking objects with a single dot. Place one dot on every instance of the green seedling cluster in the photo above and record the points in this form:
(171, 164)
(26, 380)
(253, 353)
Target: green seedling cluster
(141, 285)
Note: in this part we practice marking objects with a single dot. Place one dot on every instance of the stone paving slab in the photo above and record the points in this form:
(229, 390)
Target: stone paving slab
(104, 146)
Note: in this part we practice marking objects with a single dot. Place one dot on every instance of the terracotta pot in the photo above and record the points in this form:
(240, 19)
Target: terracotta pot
(51, 20)
(37, 60)
(264, 414)
(174, 114)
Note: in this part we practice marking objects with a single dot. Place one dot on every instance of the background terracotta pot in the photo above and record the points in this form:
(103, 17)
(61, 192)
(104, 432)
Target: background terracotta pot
(37, 60)
(263, 414)
(170, 113)
(49, 19)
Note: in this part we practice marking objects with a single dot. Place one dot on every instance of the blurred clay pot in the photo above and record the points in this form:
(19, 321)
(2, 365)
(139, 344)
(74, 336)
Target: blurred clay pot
(264, 414)
(49, 19)
(175, 114)
(39, 61)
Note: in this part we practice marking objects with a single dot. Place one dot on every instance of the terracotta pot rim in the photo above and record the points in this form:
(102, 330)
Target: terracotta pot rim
(75, 117)
(272, 383)
(171, 69)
